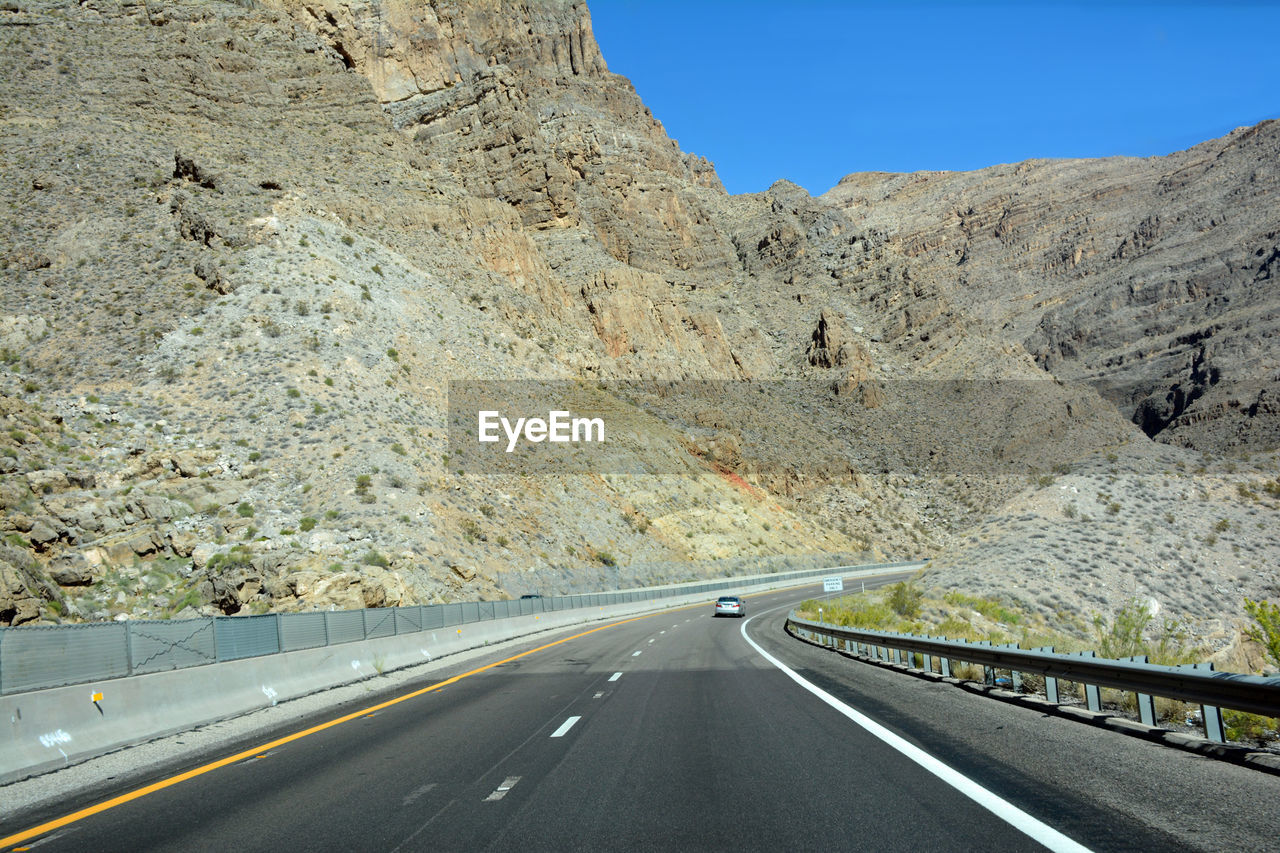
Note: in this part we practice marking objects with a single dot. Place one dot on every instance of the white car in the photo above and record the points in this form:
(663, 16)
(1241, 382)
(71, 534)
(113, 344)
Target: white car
(730, 605)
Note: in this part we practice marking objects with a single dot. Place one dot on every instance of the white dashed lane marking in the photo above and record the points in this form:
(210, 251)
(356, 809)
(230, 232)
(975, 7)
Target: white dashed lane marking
(565, 726)
(615, 676)
(501, 791)
(417, 792)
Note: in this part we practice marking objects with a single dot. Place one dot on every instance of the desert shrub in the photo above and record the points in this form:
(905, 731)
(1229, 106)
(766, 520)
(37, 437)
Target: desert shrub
(855, 611)
(1265, 628)
(236, 558)
(1249, 728)
(904, 599)
(471, 530)
(374, 558)
(1123, 637)
(990, 608)
(1127, 635)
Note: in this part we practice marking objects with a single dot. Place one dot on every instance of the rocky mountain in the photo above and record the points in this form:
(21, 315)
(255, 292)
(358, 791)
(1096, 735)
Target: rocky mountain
(249, 245)
(1150, 279)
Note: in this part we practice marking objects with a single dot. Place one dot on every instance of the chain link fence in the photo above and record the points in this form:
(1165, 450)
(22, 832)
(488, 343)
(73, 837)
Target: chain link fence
(34, 657)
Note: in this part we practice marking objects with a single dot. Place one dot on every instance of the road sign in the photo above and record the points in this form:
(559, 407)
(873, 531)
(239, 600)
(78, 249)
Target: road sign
(832, 584)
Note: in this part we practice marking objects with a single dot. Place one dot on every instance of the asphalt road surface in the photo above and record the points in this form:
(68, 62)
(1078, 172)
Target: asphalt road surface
(676, 731)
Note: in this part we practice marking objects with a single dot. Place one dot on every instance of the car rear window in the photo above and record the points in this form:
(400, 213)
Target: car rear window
(728, 600)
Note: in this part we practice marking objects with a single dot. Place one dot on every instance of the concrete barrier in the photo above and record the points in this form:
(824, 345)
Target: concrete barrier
(49, 729)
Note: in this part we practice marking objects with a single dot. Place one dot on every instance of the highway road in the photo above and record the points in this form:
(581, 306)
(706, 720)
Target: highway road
(675, 731)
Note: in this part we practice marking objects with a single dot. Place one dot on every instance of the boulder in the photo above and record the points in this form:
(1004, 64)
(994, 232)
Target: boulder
(21, 594)
(71, 569)
(47, 481)
(82, 479)
(13, 490)
(183, 542)
(43, 533)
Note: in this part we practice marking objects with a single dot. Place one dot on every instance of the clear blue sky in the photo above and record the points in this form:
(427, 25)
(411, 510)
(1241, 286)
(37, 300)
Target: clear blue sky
(811, 91)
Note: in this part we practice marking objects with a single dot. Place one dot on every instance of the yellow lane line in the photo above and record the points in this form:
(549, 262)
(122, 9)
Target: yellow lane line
(249, 753)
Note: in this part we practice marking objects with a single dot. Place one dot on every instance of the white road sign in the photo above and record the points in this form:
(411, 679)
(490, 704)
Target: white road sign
(832, 584)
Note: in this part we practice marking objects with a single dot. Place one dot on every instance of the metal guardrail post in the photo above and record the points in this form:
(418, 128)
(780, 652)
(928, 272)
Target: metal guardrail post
(1146, 703)
(1211, 714)
(927, 659)
(1015, 677)
(1092, 695)
(1050, 683)
(988, 672)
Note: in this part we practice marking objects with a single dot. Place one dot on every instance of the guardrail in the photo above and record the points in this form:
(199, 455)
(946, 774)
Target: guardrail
(1196, 683)
(35, 657)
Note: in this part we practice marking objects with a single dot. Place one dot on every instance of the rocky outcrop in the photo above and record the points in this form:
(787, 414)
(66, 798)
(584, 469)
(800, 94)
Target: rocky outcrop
(1149, 278)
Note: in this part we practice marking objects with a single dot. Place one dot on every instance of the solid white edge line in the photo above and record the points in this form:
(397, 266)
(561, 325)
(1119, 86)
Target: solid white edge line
(615, 676)
(1001, 808)
(565, 726)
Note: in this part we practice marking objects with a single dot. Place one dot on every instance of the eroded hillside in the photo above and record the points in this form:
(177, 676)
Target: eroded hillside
(248, 246)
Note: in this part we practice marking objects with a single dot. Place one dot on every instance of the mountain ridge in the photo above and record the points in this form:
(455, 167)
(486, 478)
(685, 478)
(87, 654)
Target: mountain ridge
(250, 245)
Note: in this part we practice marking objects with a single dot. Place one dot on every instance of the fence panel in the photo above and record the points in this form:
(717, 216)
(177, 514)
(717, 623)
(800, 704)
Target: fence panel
(452, 614)
(432, 616)
(32, 658)
(487, 610)
(344, 626)
(379, 622)
(156, 646)
(246, 636)
(470, 611)
(409, 619)
(303, 630)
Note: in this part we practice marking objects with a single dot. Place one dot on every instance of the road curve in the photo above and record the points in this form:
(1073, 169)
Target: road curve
(661, 733)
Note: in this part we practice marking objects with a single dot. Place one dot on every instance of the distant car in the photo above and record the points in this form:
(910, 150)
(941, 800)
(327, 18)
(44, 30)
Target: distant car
(730, 605)
(531, 595)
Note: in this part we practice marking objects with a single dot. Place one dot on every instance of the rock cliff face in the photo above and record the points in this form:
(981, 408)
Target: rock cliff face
(1152, 279)
(249, 244)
